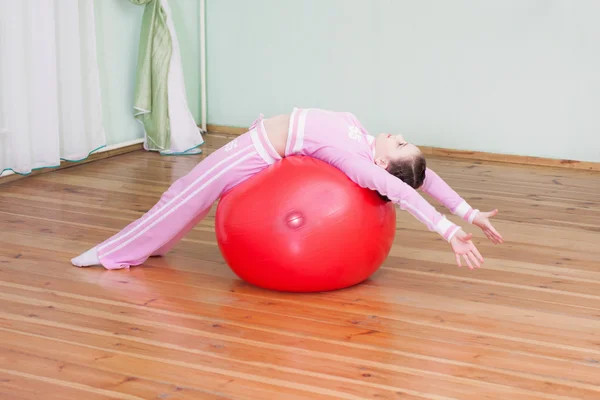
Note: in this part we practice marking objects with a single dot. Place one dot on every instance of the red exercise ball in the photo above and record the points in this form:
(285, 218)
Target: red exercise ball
(302, 225)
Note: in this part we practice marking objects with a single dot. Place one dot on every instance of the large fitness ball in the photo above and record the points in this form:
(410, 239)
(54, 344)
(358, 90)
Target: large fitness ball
(302, 225)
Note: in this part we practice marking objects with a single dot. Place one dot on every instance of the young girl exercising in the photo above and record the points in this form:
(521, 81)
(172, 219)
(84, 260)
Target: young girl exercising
(386, 163)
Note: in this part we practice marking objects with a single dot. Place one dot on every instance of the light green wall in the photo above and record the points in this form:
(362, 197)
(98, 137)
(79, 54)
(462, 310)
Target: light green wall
(118, 28)
(505, 76)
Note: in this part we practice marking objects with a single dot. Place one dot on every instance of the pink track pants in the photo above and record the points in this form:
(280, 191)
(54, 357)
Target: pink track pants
(189, 199)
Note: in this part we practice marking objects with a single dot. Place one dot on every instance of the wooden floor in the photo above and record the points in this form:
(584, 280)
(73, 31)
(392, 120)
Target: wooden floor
(526, 326)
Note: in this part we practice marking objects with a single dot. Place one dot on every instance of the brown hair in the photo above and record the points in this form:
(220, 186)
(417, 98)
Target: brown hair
(409, 170)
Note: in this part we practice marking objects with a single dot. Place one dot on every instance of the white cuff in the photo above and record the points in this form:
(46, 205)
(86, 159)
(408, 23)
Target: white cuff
(453, 233)
(462, 209)
(442, 226)
(473, 215)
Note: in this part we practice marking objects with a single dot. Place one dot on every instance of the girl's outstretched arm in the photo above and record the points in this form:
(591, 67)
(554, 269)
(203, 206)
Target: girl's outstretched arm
(368, 175)
(437, 188)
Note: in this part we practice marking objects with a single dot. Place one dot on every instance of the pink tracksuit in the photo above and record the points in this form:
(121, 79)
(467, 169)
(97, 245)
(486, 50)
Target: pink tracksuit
(337, 138)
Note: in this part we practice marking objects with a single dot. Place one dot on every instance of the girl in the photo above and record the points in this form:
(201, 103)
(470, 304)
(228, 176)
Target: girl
(386, 163)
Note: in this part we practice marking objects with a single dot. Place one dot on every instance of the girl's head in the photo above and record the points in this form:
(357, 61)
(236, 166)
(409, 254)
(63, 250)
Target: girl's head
(401, 159)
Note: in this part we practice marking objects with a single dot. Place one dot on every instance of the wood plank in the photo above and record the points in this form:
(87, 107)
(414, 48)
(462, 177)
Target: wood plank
(130, 292)
(126, 377)
(314, 365)
(15, 385)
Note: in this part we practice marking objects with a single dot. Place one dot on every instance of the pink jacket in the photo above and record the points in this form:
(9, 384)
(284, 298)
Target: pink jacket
(339, 139)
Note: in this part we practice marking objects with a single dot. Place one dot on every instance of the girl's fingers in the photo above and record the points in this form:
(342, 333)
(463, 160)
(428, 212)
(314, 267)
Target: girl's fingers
(490, 227)
(497, 237)
(489, 236)
(493, 238)
(478, 254)
(458, 261)
(474, 260)
(466, 237)
(468, 261)
(495, 232)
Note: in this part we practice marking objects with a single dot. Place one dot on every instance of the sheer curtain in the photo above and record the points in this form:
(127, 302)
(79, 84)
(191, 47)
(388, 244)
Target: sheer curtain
(49, 85)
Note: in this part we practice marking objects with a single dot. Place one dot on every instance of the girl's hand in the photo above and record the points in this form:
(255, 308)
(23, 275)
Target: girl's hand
(482, 220)
(463, 246)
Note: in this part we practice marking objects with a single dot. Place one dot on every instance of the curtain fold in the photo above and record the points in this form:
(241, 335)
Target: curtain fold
(50, 107)
(160, 102)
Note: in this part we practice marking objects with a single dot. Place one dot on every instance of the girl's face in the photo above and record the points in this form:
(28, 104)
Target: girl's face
(390, 148)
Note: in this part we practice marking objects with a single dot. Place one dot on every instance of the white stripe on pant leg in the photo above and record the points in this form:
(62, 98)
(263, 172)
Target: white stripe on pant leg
(262, 152)
(290, 137)
(210, 170)
(300, 134)
(173, 209)
(263, 133)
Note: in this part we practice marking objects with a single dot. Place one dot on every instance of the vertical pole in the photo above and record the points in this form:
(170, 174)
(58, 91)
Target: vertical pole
(203, 62)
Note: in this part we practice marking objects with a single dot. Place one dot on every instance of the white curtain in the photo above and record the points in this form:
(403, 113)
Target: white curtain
(49, 85)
